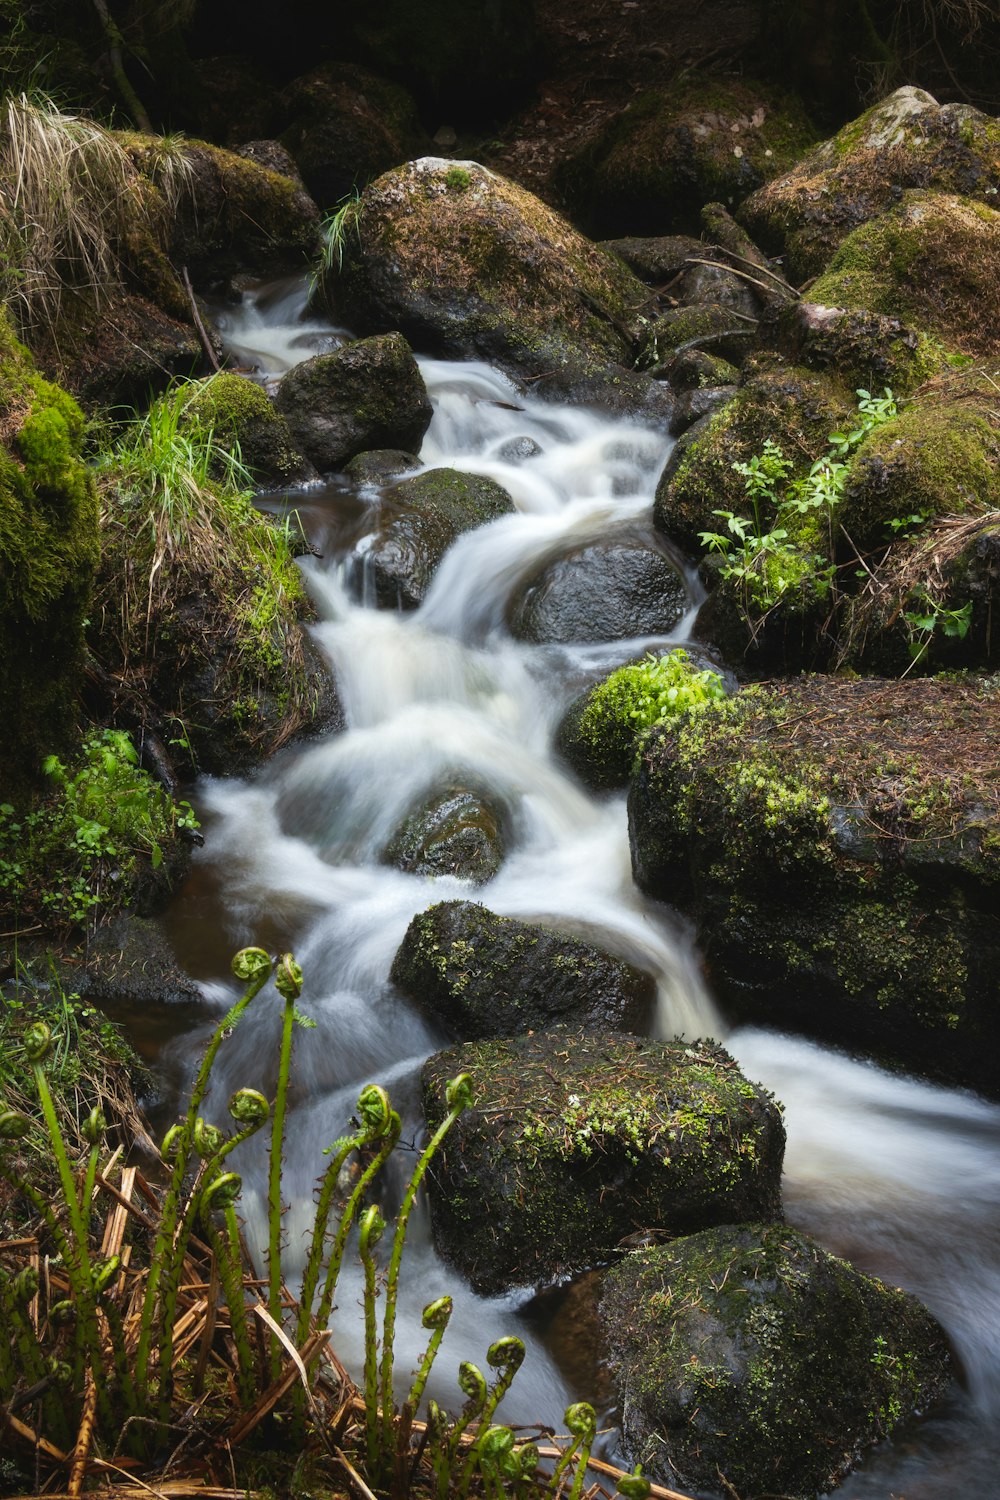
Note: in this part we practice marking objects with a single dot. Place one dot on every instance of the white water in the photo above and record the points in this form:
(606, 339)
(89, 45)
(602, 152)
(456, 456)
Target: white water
(902, 1177)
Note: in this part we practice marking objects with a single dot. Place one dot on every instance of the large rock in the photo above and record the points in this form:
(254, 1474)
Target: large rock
(418, 521)
(930, 260)
(672, 150)
(468, 264)
(611, 590)
(748, 1354)
(573, 1142)
(868, 350)
(906, 141)
(455, 832)
(48, 556)
(366, 394)
(347, 126)
(838, 845)
(487, 976)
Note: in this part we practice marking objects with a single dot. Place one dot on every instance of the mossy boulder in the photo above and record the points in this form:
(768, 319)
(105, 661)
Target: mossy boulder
(120, 352)
(348, 126)
(575, 1141)
(930, 261)
(457, 831)
(381, 466)
(906, 141)
(485, 976)
(837, 843)
(611, 590)
(795, 407)
(417, 522)
(750, 1354)
(655, 258)
(48, 557)
(707, 326)
(243, 421)
(366, 394)
(939, 457)
(866, 350)
(673, 149)
(467, 264)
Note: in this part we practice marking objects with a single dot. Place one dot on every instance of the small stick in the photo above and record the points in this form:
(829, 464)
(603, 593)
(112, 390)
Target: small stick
(206, 342)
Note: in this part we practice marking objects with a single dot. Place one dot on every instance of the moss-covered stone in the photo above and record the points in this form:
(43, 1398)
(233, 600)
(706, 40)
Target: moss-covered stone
(929, 261)
(866, 350)
(707, 326)
(489, 976)
(485, 270)
(838, 844)
(455, 832)
(906, 141)
(348, 126)
(366, 394)
(655, 258)
(748, 1352)
(575, 1141)
(795, 407)
(613, 590)
(379, 467)
(48, 555)
(244, 422)
(673, 149)
(417, 522)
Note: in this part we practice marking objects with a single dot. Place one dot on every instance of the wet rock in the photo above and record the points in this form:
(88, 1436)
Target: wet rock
(574, 1141)
(419, 521)
(131, 968)
(517, 450)
(243, 420)
(906, 141)
(611, 590)
(489, 976)
(718, 286)
(366, 394)
(693, 405)
(709, 327)
(468, 264)
(347, 126)
(867, 349)
(696, 370)
(747, 819)
(658, 258)
(675, 148)
(380, 467)
(930, 261)
(749, 1352)
(455, 832)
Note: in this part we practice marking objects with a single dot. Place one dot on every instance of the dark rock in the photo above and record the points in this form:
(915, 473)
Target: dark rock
(272, 155)
(749, 1352)
(455, 832)
(867, 349)
(611, 590)
(236, 104)
(489, 976)
(119, 354)
(347, 126)
(131, 968)
(906, 141)
(675, 148)
(419, 520)
(737, 817)
(656, 259)
(709, 327)
(575, 1141)
(696, 404)
(380, 467)
(468, 264)
(366, 394)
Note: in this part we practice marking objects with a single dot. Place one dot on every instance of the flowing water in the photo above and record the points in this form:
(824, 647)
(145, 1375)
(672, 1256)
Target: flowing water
(902, 1177)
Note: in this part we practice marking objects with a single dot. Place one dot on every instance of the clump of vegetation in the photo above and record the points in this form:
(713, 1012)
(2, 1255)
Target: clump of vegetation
(121, 1347)
(103, 822)
(457, 179)
(782, 552)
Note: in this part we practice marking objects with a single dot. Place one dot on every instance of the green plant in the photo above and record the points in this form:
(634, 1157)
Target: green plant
(620, 710)
(457, 179)
(336, 229)
(773, 554)
(930, 615)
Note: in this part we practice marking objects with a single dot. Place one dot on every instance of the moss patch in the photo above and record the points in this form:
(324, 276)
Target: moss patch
(575, 1141)
(243, 420)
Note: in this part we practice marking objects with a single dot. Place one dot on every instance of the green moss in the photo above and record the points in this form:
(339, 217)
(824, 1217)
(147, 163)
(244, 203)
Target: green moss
(457, 179)
(243, 420)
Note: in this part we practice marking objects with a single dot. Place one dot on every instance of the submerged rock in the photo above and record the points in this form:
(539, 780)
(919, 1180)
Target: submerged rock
(420, 519)
(575, 1141)
(906, 141)
(485, 975)
(380, 467)
(467, 264)
(611, 590)
(455, 832)
(749, 1353)
(837, 843)
(366, 394)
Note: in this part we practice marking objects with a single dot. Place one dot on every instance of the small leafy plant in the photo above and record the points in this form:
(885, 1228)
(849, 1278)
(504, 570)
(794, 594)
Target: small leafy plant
(928, 616)
(774, 553)
(631, 700)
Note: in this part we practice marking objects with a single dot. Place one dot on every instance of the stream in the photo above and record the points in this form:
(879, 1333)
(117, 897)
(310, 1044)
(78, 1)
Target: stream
(900, 1176)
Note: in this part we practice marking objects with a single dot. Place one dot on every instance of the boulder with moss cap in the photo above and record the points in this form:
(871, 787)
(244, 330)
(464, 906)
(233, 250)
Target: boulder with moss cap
(837, 843)
(470, 265)
(751, 1353)
(575, 1141)
(906, 141)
